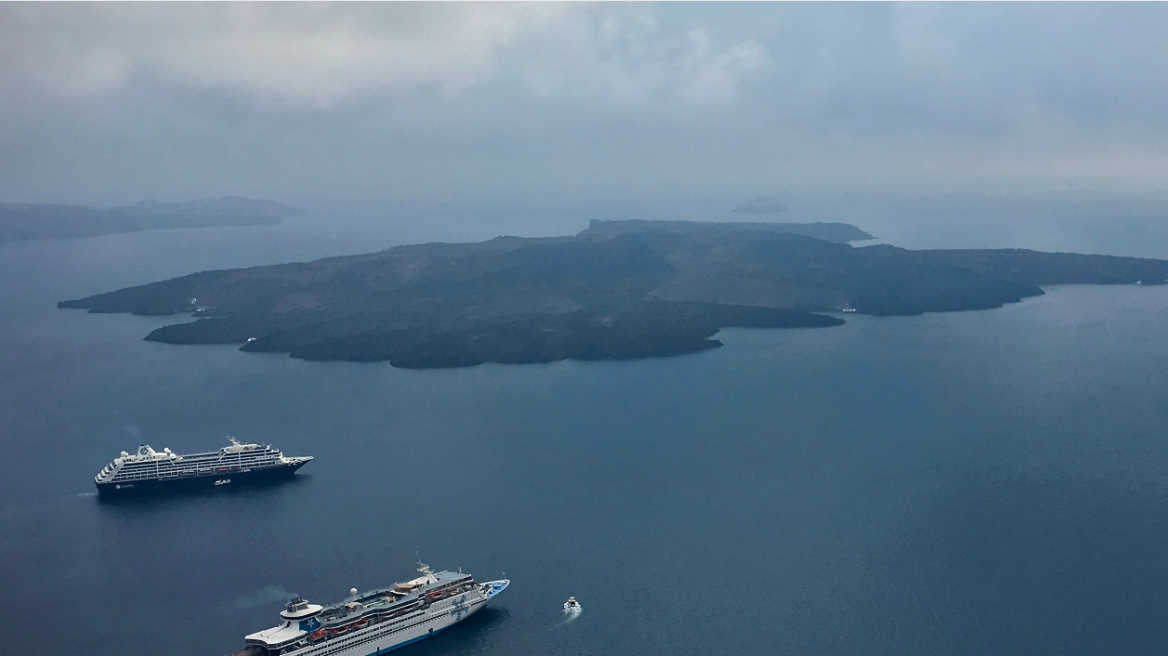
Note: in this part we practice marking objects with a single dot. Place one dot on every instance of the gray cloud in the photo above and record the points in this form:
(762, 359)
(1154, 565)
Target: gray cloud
(316, 56)
(111, 102)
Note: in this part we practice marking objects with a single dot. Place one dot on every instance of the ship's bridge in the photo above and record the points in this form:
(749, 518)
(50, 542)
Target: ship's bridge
(240, 447)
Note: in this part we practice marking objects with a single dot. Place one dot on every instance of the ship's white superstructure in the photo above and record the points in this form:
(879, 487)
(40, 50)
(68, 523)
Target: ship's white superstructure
(377, 621)
(147, 469)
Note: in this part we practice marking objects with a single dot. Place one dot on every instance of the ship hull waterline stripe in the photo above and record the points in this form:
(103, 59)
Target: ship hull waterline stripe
(410, 641)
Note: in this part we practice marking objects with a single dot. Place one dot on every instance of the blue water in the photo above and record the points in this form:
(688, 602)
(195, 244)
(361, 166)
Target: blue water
(972, 483)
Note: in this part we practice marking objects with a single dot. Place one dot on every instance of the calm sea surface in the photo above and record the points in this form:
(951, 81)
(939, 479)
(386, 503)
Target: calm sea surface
(973, 483)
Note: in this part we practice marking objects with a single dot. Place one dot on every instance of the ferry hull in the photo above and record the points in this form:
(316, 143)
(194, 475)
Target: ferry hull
(382, 639)
(166, 486)
(387, 642)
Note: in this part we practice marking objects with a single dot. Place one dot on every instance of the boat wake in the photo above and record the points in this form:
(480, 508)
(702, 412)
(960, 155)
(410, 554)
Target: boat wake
(87, 495)
(570, 615)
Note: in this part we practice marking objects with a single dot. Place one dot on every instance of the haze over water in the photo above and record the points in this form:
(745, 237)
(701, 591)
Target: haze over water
(969, 483)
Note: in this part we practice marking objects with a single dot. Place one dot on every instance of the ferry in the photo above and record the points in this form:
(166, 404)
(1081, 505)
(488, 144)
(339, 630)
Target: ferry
(148, 471)
(377, 621)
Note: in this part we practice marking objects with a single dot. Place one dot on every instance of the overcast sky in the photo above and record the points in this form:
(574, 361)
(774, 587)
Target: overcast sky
(107, 103)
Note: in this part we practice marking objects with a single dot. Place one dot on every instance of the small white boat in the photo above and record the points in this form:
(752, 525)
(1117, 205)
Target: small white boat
(571, 605)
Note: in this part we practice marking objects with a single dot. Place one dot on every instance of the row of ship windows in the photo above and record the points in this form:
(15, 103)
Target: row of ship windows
(174, 465)
(360, 640)
(181, 463)
(393, 623)
(254, 454)
(121, 476)
(202, 467)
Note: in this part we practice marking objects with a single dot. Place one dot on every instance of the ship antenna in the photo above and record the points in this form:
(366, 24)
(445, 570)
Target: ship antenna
(424, 568)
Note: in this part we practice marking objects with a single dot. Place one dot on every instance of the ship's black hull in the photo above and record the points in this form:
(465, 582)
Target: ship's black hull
(193, 483)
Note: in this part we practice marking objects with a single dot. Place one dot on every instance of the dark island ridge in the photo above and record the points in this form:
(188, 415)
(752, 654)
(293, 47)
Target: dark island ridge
(617, 290)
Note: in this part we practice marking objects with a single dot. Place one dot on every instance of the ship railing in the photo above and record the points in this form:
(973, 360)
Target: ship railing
(396, 617)
(156, 474)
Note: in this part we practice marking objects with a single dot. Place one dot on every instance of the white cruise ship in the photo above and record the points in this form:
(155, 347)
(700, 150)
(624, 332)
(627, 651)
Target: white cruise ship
(374, 622)
(148, 471)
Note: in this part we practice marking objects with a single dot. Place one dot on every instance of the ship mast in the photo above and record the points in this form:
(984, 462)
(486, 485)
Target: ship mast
(425, 570)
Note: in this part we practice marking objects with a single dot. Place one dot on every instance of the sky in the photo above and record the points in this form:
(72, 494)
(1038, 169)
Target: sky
(108, 103)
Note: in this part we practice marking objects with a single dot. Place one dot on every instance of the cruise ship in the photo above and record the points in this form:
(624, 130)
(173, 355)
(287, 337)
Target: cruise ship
(377, 621)
(148, 471)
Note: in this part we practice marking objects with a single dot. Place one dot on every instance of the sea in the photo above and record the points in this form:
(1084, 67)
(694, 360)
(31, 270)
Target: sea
(990, 482)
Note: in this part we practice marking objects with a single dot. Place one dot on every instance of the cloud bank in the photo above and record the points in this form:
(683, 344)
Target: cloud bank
(115, 102)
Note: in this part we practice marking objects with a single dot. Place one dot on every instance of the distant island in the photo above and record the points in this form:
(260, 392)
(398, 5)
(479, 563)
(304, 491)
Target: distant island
(22, 222)
(761, 205)
(619, 289)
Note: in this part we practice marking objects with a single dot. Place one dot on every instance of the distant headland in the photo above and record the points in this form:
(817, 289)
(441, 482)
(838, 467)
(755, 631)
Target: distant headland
(23, 222)
(617, 290)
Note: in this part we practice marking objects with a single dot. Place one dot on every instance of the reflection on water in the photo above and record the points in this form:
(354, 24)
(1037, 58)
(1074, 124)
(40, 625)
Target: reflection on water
(470, 636)
(570, 614)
